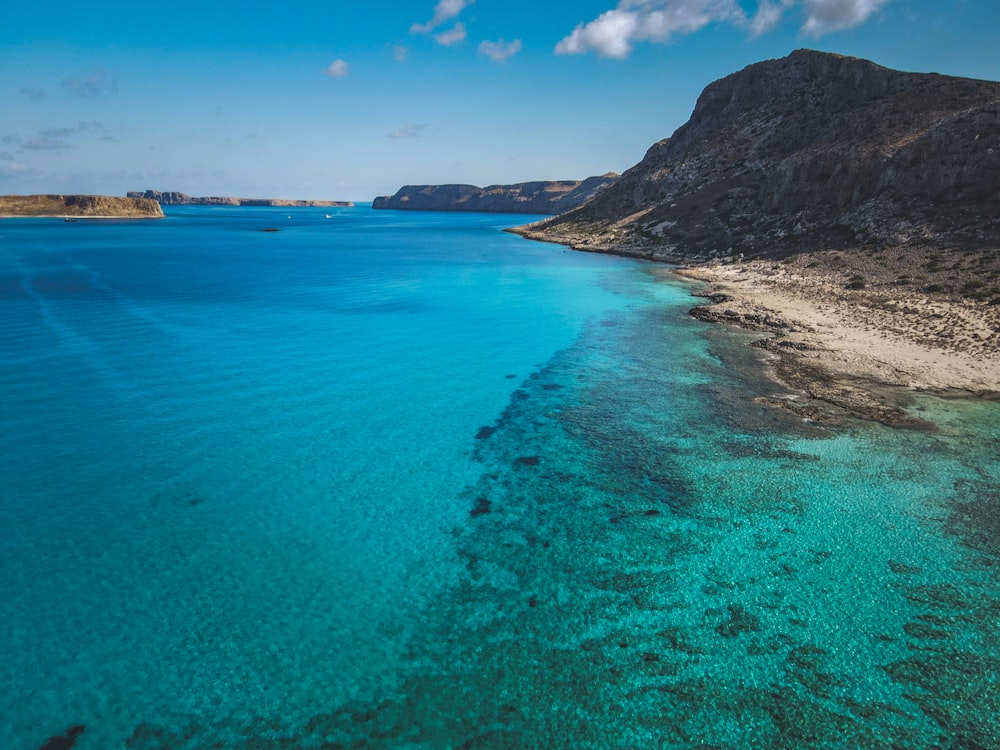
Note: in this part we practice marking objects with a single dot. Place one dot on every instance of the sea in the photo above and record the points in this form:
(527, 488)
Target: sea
(343, 478)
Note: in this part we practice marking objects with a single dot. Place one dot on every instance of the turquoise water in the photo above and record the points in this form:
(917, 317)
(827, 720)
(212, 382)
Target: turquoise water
(404, 480)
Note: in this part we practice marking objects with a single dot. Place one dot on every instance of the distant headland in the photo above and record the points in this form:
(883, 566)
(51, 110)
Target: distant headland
(543, 197)
(79, 206)
(173, 198)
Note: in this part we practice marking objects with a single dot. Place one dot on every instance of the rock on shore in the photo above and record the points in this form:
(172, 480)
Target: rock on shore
(542, 197)
(83, 206)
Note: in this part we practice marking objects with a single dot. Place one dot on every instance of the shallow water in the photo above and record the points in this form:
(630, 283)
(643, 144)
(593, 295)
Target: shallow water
(406, 481)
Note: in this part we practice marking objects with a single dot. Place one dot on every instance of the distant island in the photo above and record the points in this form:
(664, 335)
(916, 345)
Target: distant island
(79, 206)
(172, 198)
(543, 197)
(848, 211)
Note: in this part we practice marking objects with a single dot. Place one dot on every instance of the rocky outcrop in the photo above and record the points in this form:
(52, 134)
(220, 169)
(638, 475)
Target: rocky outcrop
(82, 206)
(812, 151)
(525, 197)
(171, 198)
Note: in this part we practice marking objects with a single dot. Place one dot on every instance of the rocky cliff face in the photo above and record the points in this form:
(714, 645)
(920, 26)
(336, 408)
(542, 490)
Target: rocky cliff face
(811, 151)
(171, 198)
(526, 197)
(84, 206)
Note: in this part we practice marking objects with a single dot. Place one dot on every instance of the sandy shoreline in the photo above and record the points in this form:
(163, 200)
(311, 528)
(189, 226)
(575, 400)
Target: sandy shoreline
(840, 345)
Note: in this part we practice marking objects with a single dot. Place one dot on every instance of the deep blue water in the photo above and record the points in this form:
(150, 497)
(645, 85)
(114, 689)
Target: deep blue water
(387, 479)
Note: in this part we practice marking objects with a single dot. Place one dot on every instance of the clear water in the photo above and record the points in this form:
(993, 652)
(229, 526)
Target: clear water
(403, 480)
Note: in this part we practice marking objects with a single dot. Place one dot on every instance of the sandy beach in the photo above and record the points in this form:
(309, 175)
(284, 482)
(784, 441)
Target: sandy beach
(840, 344)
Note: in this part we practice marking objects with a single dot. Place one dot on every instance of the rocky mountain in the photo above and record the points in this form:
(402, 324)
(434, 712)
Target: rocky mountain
(813, 151)
(171, 198)
(84, 206)
(526, 197)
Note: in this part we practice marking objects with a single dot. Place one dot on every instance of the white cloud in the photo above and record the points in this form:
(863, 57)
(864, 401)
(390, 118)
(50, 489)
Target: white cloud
(768, 15)
(615, 32)
(444, 11)
(409, 131)
(609, 35)
(399, 53)
(338, 69)
(454, 36)
(826, 16)
(500, 50)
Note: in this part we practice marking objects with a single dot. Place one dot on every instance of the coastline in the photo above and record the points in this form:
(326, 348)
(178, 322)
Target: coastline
(56, 206)
(860, 350)
(80, 217)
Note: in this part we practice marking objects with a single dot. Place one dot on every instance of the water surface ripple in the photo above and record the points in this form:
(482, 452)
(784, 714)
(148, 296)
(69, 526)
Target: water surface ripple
(401, 480)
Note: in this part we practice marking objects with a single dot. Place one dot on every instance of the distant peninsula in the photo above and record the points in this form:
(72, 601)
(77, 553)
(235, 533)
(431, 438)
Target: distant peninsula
(173, 198)
(543, 197)
(79, 206)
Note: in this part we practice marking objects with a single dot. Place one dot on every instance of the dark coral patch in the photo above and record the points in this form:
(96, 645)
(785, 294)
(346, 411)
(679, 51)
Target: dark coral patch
(527, 461)
(552, 387)
(482, 506)
(485, 432)
(902, 568)
(740, 621)
(65, 740)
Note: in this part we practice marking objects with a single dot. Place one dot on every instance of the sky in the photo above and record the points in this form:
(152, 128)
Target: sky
(348, 101)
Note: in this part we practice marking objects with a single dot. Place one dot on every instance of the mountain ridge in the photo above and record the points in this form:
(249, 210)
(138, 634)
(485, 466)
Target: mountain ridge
(174, 198)
(538, 197)
(813, 151)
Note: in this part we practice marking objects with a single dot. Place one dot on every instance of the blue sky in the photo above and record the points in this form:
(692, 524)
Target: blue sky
(348, 101)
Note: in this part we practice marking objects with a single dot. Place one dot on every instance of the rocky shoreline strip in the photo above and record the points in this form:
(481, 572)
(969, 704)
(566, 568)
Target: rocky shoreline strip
(859, 349)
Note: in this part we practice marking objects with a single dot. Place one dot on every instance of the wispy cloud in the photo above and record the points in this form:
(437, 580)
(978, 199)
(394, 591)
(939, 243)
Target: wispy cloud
(399, 52)
(33, 93)
(409, 131)
(10, 168)
(769, 14)
(338, 69)
(49, 139)
(452, 36)
(616, 31)
(826, 16)
(53, 139)
(97, 83)
(444, 11)
(500, 50)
